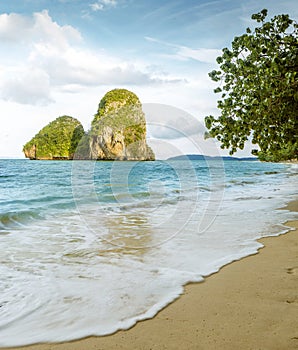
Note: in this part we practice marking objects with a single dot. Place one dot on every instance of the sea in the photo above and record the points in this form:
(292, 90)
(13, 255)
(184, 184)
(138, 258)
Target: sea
(89, 248)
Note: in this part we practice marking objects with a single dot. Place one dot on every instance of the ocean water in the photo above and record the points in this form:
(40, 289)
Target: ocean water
(87, 248)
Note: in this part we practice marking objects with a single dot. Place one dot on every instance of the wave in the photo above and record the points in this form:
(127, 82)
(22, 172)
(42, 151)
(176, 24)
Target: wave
(255, 198)
(6, 176)
(241, 182)
(14, 219)
(135, 239)
(34, 201)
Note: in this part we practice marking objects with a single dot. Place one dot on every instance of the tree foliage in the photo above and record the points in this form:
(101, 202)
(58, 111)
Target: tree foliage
(115, 100)
(57, 140)
(121, 110)
(118, 130)
(258, 80)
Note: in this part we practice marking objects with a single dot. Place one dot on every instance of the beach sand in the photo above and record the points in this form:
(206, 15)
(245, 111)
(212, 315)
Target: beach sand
(249, 304)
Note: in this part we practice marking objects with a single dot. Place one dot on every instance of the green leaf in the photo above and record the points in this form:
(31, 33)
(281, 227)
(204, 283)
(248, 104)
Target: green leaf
(259, 94)
(217, 90)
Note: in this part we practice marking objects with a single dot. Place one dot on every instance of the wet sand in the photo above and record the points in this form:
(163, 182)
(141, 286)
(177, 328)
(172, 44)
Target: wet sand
(248, 304)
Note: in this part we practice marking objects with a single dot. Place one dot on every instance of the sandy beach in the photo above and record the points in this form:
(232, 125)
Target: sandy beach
(249, 304)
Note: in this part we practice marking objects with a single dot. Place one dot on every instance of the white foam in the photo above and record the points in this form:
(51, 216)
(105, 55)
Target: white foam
(100, 269)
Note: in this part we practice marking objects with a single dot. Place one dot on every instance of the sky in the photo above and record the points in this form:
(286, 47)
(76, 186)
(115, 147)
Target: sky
(59, 57)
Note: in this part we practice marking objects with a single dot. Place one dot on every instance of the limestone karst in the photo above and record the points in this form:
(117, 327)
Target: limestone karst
(118, 132)
(57, 140)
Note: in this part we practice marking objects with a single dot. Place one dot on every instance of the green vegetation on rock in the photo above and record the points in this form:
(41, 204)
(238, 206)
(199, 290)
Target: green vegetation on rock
(58, 140)
(118, 130)
(259, 90)
(115, 100)
(121, 110)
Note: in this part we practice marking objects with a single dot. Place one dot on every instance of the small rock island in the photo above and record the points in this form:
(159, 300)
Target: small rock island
(58, 140)
(118, 132)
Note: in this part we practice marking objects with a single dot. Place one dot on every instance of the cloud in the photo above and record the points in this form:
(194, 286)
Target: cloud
(201, 55)
(26, 85)
(51, 32)
(168, 122)
(16, 28)
(96, 7)
(49, 57)
(86, 68)
(102, 5)
(183, 52)
(172, 131)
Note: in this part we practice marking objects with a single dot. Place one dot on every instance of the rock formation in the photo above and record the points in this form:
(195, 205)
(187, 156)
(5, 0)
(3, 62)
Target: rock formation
(58, 140)
(118, 130)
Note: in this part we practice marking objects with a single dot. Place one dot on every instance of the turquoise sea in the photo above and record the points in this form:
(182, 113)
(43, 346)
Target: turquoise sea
(87, 248)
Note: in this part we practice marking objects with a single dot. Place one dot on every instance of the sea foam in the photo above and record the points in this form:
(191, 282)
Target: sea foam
(113, 243)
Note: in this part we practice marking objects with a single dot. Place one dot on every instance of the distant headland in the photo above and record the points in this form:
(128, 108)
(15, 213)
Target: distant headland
(202, 157)
(118, 132)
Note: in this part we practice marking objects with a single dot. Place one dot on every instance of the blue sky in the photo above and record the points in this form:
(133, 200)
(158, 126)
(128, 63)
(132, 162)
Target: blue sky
(61, 56)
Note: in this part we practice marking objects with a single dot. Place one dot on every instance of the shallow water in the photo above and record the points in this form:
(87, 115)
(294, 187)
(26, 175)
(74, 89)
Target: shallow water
(87, 248)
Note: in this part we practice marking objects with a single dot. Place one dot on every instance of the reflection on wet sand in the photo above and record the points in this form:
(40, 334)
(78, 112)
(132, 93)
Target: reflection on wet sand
(127, 234)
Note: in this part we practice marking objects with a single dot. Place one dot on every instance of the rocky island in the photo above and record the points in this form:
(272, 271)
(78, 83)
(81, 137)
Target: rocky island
(58, 140)
(118, 132)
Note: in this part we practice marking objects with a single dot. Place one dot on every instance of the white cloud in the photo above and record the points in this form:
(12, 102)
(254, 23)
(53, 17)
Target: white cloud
(109, 2)
(183, 52)
(51, 32)
(54, 59)
(169, 122)
(86, 68)
(96, 7)
(27, 85)
(201, 55)
(16, 28)
(102, 4)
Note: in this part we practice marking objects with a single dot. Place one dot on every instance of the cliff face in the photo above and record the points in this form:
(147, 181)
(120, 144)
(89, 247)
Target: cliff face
(118, 130)
(58, 140)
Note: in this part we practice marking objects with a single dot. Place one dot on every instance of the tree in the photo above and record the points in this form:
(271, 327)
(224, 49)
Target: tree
(57, 140)
(259, 90)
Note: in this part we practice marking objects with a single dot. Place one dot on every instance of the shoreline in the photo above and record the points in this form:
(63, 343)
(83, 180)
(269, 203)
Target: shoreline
(251, 303)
